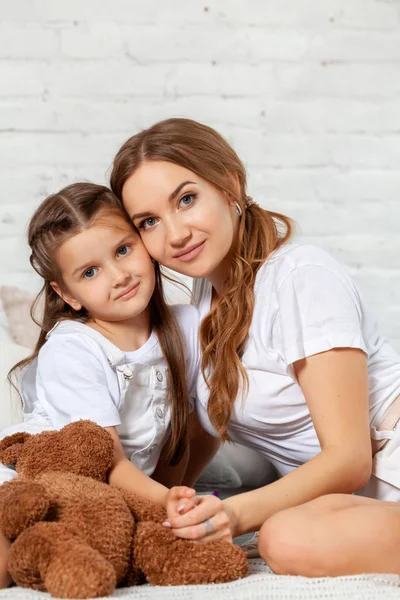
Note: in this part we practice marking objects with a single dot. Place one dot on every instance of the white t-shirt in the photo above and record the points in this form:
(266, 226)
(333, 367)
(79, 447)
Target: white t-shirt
(305, 303)
(79, 374)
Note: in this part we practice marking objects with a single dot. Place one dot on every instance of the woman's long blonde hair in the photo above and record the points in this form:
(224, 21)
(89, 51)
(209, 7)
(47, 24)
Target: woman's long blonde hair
(62, 215)
(225, 330)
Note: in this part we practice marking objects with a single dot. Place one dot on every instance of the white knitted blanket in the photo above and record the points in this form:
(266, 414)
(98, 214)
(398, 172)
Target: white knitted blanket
(260, 584)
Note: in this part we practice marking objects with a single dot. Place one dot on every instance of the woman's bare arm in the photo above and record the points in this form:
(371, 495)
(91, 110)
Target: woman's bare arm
(335, 385)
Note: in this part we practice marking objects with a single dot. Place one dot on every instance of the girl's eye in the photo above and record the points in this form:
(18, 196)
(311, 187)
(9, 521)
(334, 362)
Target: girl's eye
(89, 273)
(187, 200)
(123, 250)
(147, 223)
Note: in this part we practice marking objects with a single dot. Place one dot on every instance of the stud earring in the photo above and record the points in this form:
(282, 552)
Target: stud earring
(238, 208)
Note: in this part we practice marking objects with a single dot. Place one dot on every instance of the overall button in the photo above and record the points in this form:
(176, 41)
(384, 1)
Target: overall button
(159, 376)
(126, 371)
(159, 412)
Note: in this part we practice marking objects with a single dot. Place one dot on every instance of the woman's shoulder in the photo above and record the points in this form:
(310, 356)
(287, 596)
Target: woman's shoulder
(291, 257)
(201, 288)
(187, 316)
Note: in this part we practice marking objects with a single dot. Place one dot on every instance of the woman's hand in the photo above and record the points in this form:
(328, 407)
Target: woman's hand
(198, 518)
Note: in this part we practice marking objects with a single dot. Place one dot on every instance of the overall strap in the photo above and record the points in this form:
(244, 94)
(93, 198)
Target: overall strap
(114, 355)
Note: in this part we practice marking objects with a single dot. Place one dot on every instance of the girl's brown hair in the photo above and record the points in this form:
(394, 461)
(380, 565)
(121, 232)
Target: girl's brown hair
(225, 330)
(74, 209)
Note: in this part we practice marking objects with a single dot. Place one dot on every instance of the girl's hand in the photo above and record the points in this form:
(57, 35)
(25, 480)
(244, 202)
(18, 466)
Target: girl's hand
(207, 521)
(179, 500)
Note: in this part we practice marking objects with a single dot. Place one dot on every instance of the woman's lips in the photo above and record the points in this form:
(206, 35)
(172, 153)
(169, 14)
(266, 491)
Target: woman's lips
(191, 254)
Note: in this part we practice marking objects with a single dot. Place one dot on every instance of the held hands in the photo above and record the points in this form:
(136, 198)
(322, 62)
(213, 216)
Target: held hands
(197, 518)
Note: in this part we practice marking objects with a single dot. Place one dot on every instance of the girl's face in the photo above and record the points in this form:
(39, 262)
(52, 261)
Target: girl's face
(106, 270)
(185, 223)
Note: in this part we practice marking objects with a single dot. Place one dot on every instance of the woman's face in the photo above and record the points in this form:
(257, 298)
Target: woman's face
(186, 223)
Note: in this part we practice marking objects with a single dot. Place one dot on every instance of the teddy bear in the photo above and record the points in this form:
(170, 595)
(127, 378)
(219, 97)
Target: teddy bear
(75, 536)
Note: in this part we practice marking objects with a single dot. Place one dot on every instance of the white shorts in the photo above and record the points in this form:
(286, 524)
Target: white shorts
(384, 483)
(31, 426)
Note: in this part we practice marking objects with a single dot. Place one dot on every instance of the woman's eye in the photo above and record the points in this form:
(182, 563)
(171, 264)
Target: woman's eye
(147, 223)
(89, 273)
(187, 200)
(123, 250)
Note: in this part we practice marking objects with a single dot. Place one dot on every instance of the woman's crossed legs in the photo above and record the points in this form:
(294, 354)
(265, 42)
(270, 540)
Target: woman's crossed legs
(333, 535)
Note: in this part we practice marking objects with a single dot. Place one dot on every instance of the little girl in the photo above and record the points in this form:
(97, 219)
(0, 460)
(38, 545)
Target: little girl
(110, 349)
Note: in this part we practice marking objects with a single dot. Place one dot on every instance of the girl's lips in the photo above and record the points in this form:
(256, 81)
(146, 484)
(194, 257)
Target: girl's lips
(129, 293)
(187, 256)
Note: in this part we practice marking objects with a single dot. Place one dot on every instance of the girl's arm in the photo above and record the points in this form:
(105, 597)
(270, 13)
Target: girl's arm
(126, 475)
(167, 474)
(203, 448)
(335, 385)
(199, 452)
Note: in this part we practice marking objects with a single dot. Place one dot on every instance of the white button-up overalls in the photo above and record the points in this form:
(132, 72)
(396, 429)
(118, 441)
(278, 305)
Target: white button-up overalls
(143, 404)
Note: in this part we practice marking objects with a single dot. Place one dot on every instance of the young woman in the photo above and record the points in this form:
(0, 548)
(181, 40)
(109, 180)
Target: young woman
(110, 349)
(292, 362)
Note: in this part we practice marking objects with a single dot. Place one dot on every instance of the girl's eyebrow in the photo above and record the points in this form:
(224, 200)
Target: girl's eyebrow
(171, 197)
(121, 242)
(81, 268)
(127, 237)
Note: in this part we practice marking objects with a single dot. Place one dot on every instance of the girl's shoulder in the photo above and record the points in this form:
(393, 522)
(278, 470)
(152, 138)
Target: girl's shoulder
(72, 341)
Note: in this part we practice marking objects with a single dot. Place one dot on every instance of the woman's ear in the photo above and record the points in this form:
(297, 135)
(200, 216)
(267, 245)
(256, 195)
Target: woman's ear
(236, 186)
(72, 302)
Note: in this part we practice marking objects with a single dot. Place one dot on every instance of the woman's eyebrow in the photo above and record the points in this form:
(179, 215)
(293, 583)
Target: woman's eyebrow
(171, 197)
(178, 189)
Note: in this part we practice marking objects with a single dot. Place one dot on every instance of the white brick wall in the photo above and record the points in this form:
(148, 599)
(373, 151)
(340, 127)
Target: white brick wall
(307, 91)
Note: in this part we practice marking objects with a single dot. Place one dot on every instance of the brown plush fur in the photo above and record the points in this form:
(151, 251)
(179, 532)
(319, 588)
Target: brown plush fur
(82, 448)
(76, 537)
(177, 562)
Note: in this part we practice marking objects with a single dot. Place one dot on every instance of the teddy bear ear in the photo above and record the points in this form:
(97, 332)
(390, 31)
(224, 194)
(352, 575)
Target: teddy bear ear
(11, 447)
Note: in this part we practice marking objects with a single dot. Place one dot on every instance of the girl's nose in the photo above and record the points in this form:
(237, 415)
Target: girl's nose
(119, 276)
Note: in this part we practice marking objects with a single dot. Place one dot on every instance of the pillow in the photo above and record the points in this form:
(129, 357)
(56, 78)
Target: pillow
(236, 466)
(10, 402)
(17, 304)
(24, 331)
(253, 468)
(218, 474)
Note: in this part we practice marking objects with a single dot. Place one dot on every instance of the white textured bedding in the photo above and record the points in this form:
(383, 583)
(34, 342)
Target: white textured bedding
(260, 584)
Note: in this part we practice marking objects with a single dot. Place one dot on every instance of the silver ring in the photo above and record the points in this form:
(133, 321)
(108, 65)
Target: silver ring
(208, 526)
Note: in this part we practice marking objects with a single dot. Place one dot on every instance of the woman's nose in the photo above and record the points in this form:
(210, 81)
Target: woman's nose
(178, 232)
